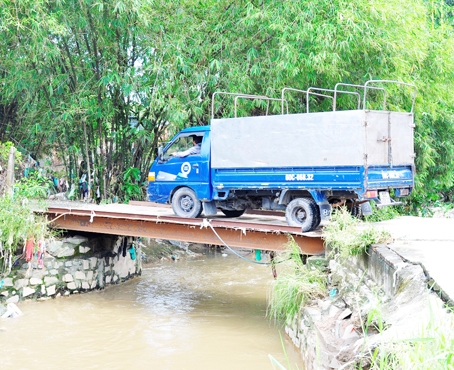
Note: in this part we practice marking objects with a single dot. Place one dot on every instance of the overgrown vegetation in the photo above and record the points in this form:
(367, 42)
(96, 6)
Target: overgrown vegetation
(297, 283)
(5, 150)
(385, 213)
(18, 224)
(34, 186)
(347, 236)
(132, 188)
(294, 286)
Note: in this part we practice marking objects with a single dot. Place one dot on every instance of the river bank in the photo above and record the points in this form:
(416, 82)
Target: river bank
(381, 302)
(75, 264)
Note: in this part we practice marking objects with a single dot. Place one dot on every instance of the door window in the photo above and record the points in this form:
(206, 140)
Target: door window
(181, 145)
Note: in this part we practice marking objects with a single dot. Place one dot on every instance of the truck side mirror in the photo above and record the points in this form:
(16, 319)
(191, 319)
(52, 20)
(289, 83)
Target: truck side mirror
(160, 149)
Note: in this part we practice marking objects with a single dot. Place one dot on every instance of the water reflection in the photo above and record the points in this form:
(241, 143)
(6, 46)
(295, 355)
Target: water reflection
(204, 313)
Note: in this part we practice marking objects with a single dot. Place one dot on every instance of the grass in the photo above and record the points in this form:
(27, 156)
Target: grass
(347, 236)
(384, 213)
(432, 348)
(294, 286)
(297, 283)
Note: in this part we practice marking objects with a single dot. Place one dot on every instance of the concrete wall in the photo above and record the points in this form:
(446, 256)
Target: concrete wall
(378, 286)
(73, 265)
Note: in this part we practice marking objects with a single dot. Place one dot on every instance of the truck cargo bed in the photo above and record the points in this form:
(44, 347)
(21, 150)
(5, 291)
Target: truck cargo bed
(327, 139)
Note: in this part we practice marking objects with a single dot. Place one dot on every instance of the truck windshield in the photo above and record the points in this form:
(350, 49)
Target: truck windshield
(179, 145)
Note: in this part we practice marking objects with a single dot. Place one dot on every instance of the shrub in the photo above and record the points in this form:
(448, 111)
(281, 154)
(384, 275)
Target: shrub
(34, 186)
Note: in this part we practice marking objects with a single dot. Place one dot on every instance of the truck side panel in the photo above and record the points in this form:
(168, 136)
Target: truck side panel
(324, 139)
(345, 178)
(303, 178)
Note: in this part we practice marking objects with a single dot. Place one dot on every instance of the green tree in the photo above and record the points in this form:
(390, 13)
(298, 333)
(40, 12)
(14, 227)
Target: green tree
(75, 72)
(77, 78)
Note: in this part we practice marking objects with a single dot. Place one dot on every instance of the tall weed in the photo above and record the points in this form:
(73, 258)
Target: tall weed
(384, 213)
(347, 236)
(294, 286)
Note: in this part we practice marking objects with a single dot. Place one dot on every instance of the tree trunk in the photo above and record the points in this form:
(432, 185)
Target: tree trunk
(10, 172)
(88, 160)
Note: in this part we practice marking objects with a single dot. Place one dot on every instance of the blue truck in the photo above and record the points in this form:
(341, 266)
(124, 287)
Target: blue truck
(303, 164)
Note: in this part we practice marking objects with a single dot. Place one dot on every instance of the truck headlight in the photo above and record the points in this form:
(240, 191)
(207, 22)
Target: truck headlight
(151, 176)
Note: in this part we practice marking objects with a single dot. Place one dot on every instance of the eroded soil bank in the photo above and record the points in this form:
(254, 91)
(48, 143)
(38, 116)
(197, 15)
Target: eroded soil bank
(375, 300)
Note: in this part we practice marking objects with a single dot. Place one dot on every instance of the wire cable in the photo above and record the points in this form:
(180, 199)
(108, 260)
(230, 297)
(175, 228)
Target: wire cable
(239, 255)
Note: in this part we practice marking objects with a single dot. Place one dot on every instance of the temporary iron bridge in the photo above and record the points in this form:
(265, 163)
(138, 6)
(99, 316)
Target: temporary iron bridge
(259, 230)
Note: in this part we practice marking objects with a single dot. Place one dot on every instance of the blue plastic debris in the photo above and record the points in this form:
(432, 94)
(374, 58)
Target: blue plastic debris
(132, 252)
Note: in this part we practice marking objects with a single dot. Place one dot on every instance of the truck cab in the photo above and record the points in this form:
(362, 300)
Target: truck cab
(179, 179)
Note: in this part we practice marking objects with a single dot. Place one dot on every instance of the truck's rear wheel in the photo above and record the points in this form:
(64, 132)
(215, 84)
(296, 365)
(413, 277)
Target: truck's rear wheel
(317, 216)
(233, 213)
(355, 209)
(301, 212)
(186, 204)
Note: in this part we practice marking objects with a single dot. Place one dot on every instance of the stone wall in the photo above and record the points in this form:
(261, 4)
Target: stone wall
(73, 265)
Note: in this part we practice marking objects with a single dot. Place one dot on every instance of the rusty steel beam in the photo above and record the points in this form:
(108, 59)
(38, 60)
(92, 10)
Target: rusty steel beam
(217, 232)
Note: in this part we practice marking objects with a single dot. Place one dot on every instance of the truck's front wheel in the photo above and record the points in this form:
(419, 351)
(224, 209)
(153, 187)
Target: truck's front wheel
(301, 212)
(186, 204)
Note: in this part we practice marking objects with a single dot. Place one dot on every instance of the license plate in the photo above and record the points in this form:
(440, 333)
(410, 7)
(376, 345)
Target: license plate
(404, 192)
(384, 197)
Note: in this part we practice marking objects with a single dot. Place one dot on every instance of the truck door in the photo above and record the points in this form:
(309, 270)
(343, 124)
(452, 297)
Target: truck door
(182, 165)
(378, 143)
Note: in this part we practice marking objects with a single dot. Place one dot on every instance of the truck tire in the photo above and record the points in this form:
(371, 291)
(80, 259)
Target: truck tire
(233, 213)
(355, 210)
(317, 216)
(300, 212)
(186, 204)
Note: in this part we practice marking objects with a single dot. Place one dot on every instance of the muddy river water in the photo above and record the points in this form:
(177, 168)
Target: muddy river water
(196, 313)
